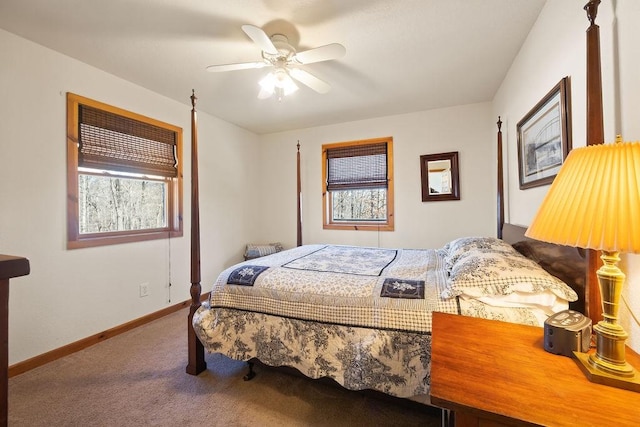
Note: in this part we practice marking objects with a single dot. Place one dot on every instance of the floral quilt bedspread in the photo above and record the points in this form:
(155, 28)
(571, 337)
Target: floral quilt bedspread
(352, 286)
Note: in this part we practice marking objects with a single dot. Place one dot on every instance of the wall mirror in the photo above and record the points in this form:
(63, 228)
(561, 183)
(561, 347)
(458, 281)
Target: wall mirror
(439, 173)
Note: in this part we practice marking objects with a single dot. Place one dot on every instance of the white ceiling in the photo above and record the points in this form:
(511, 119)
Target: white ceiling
(402, 55)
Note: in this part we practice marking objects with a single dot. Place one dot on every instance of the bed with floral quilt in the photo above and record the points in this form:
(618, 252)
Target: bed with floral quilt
(362, 316)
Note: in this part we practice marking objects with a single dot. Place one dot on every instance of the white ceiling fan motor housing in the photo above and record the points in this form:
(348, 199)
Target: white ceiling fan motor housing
(286, 52)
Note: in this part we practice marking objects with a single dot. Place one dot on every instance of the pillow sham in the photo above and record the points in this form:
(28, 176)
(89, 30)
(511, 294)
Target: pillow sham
(259, 250)
(480, 274)
(457, 248)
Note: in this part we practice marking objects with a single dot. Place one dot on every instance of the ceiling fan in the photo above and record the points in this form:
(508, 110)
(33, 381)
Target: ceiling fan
(286, 63)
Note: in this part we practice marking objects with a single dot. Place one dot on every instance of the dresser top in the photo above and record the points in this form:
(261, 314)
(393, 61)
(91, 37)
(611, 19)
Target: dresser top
(500, 371)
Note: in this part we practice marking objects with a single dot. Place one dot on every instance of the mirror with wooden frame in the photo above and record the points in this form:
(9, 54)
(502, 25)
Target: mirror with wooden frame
(439, 174)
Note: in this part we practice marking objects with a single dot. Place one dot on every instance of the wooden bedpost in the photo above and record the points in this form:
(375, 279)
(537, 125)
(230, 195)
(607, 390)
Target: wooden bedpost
(299, 194)
(595, 121)
(595, 135)
(195, 348)
(500, 182)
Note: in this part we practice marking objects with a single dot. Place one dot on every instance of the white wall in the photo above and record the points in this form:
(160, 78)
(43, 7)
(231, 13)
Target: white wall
(468, 129)
(556, 47)
(72, 294)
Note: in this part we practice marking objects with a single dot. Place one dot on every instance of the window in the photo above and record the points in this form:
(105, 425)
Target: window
(124, 176)
(357, 181)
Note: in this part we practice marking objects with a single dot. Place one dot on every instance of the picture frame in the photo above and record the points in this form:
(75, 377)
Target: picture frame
(544, 137)
(440, 177)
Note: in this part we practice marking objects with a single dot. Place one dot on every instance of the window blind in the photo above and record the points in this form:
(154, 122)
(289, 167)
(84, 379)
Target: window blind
(357, 167)
(114, 142)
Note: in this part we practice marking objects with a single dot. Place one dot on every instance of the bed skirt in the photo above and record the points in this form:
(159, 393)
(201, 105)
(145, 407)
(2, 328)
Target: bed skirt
(397, 363)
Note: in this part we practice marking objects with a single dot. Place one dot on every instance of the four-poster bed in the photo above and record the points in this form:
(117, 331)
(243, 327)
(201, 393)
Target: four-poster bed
(356, 337)
(362, 316)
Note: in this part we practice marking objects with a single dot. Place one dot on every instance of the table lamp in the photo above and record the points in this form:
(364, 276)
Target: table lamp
(594, 203)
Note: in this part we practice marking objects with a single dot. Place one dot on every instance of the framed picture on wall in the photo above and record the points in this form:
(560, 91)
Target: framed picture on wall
(544, 137)
(439, 173)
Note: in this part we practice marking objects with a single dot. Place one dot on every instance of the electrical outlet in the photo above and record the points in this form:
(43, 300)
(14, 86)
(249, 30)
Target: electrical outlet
(144, 289)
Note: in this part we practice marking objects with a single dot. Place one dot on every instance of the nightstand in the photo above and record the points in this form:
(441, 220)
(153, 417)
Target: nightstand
(491, 373)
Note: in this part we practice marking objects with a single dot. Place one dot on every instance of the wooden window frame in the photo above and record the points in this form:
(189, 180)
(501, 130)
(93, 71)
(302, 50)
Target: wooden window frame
(76, 240)
(327, 222)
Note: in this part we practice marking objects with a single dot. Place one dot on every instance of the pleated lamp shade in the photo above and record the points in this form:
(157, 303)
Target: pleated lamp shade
(594, 201)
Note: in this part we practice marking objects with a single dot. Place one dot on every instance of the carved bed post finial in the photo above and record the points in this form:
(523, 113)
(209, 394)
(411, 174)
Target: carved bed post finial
(592, 10)
(194, 98)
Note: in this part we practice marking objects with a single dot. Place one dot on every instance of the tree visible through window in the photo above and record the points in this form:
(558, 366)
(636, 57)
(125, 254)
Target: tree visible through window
(358, 185)
(123, 175)
(108, 203)
(359, 205)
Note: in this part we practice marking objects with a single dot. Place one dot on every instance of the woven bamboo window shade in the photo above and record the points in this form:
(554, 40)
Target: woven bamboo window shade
(113, 142)
(357, 167)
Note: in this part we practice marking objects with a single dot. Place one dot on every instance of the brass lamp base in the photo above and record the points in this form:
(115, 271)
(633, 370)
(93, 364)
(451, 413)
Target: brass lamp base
(608, 365)
(596, 375)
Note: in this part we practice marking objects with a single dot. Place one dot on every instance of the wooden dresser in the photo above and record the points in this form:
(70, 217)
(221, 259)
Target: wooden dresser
(10, 267)
(492, 373)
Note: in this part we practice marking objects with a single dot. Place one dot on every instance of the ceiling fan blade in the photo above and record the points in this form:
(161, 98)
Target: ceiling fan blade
(322, 53)
(260, 38)
(238, 66)
(310, 80)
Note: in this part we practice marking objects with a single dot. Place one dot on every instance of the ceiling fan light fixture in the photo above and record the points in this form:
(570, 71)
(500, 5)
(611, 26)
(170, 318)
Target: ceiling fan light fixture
(279, 82)
(268, 83)
(285, 82)
(278, 53)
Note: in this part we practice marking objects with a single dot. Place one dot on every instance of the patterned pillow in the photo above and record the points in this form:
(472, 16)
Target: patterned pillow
(259, 250)
(480, 274)
(466, 245)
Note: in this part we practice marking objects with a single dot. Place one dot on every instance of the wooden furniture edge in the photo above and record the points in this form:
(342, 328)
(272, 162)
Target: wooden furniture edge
(445, 324)
(13, 266)
(10, 267)
(58, 353)
(464, 415)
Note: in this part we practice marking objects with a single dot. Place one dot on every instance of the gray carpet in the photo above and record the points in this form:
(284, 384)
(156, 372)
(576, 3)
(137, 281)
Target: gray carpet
(138, 378)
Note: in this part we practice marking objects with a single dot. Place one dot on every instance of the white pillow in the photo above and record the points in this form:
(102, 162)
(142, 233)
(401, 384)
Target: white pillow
(547, 301)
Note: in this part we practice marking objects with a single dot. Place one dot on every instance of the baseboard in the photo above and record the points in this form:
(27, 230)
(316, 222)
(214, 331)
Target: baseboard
(50, 356)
